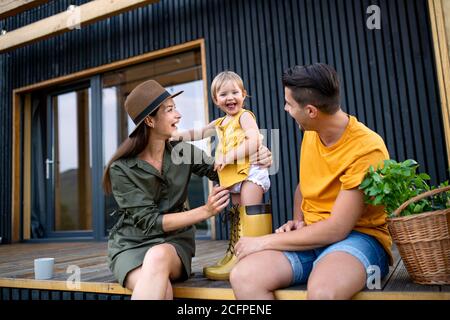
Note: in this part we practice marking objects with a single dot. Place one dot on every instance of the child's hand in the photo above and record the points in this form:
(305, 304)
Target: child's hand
(219, 164)
(175, 136)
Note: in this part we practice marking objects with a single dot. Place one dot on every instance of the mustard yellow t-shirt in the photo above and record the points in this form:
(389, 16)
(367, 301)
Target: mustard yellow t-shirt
(325, 171)
(231, 135)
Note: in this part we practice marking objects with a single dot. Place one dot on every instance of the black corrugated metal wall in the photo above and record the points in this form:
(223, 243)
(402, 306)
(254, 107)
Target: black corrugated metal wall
(388, 75)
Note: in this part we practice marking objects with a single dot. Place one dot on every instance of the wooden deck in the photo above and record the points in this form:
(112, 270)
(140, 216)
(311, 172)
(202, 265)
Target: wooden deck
(16, 271)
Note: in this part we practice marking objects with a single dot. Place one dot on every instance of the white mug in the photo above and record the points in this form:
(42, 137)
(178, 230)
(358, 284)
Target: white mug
(43, 268)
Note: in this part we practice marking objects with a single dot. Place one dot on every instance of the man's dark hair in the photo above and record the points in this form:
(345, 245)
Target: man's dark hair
(316, 84)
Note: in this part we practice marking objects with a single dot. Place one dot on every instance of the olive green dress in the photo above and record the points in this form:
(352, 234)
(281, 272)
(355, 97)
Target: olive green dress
(144, 195)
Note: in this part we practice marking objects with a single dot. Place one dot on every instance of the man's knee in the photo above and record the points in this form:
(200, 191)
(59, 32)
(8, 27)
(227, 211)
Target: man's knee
(235, 275)
(322, 292)
(241, 275)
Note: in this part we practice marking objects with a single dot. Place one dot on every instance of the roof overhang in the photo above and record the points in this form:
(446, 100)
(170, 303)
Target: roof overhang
(73, 18)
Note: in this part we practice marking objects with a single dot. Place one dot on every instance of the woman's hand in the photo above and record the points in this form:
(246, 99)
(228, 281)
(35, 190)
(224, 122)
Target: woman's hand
(262, 157)
(246, 246)
(291, 226)
(217, 201)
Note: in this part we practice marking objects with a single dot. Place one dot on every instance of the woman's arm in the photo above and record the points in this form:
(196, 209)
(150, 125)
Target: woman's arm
(195, 134)
(346, 211)
(145, 213)
(217, 201)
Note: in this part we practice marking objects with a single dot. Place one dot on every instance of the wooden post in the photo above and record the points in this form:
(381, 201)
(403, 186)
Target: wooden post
(16, 177)
(27, 168)
(84, 168)
(440, 26)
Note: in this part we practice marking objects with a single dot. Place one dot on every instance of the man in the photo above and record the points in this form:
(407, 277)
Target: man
(334, 239)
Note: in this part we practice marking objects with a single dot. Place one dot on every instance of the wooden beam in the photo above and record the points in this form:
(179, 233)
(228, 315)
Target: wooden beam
(212, 220)
(10, 8)
(77, 17)
(438, 15)
(111, 66)
(27, 168)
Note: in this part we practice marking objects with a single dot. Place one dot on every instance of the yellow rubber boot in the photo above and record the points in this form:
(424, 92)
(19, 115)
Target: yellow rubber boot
(232, 215)
(253, 221)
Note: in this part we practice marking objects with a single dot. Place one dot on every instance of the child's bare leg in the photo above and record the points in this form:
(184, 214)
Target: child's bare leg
(251, 194)
(235, 198)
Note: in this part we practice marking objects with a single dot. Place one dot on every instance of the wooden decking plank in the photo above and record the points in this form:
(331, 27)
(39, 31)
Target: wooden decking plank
(60, 263)
(17, 261)
(25, 254)
(396, 262)
(25, 247)
(401, 281)
(27, 271)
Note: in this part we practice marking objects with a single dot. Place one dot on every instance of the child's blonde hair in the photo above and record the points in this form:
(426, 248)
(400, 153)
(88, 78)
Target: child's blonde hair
(223, 77)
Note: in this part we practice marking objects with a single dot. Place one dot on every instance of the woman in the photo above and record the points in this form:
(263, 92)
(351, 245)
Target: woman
(152, 243)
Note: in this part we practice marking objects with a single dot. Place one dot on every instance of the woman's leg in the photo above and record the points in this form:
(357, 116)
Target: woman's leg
(150, 281)
(133, 277)
(337, 276)
(251, 194)
(258, 275)
(169, 291)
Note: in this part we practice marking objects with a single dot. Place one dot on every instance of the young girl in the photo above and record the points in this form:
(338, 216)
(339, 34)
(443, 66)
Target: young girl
(239, 136)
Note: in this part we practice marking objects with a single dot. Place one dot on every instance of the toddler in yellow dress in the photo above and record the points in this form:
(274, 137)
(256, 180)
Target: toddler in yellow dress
(239, 136)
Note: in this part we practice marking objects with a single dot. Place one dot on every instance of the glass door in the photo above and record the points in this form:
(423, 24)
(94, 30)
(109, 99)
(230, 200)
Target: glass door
(68, 164)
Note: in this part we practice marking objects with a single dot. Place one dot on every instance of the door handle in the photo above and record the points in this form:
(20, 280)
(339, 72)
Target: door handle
(48, 162)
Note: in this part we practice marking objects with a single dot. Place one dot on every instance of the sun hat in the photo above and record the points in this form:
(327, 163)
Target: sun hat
(143, 100)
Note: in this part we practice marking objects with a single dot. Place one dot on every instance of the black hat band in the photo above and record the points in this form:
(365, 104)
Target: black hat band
(151, 107)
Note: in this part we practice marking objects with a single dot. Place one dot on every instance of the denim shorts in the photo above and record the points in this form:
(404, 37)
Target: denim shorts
(362, 246)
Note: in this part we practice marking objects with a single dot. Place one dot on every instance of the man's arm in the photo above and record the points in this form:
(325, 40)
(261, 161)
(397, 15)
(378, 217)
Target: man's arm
(298, 221)
(298, 214)
(346, 211)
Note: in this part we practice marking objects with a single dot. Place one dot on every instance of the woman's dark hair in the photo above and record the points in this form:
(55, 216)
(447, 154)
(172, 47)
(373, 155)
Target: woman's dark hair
(131, 147)
(316, 84)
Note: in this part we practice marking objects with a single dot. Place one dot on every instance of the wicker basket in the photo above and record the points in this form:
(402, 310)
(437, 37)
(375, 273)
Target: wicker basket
(423, 241)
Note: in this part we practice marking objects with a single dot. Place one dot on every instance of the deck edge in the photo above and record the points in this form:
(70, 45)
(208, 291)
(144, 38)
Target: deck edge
(182, 292)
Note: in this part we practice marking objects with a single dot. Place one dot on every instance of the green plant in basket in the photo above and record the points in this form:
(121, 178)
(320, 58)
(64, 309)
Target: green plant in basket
(393, 183)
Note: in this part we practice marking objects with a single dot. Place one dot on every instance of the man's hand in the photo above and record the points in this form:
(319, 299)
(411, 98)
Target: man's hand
(262, 157)
(291, 226)
(246, 246)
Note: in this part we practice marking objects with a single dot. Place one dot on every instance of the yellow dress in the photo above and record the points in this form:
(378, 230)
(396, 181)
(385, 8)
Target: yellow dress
(231, 135)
